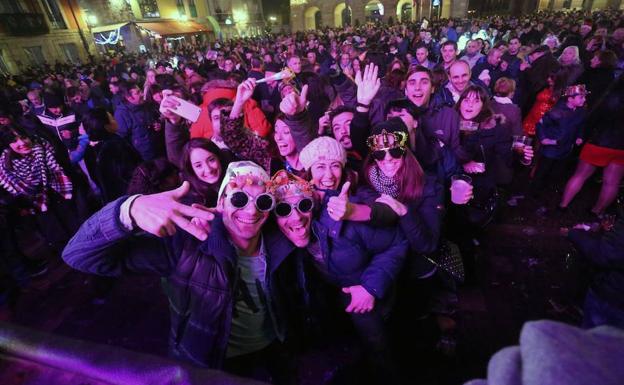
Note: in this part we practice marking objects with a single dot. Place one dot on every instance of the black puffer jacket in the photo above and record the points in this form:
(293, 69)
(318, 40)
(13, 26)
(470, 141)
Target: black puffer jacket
(605, 122)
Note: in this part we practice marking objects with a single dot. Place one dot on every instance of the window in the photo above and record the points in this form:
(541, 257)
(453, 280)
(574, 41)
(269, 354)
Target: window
(180, 5)
(54, 14)
(71, 52)
(35, 55)
(149, 9)
(192, 8)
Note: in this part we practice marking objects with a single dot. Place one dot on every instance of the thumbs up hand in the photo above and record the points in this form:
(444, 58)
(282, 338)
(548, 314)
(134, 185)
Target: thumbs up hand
(338, 207)
(294, 103)
(159, 214)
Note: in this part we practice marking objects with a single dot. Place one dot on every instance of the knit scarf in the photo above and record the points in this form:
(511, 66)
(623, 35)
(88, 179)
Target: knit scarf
(382, 184)
(32, 175)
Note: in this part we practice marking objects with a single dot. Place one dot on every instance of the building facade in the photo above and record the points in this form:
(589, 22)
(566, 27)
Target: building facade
(311, 14)
(580, 4)
(36, 31)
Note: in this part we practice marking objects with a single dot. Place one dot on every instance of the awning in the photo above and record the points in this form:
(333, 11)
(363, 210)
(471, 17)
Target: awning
(171, 27)
(106, 28)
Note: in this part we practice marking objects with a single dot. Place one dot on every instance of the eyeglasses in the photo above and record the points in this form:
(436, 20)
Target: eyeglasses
(396, 153)
(264, 202)
(284, 209)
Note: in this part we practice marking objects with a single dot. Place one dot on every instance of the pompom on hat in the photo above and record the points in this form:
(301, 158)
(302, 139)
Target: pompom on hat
(243, 173)
(322, 148)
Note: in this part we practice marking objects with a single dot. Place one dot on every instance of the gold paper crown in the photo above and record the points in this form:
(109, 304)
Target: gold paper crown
(382, 141)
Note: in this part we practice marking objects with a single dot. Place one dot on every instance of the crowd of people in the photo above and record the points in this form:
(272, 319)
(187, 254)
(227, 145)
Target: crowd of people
(357, 187)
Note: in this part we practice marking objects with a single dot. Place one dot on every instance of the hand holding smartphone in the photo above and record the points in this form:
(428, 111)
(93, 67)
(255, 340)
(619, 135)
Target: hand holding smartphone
(180, 107)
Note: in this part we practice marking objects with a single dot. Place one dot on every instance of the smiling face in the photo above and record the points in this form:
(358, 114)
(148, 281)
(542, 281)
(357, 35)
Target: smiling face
(206, 165)
(448, 53)
(326, 174)
(419, 88)
(21, 146)
(296, 226)
(459, 75)
(341, 127)
(389, 165)
(283, 139)
(244, 223)
(470, 106)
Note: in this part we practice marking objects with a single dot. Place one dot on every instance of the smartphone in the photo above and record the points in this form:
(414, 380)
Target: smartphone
(186, 109)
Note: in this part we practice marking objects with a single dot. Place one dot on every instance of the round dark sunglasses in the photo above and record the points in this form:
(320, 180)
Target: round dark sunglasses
(396, 153)
(264, 202)
(284, 209)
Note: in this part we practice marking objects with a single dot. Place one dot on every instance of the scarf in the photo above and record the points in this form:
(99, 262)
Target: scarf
(32, 175)
(382, 184)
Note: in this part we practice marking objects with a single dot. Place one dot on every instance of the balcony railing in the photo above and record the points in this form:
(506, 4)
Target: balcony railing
(24, 24)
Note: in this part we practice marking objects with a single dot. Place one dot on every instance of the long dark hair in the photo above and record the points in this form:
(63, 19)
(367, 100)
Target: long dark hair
(207, 191)
(486, 110)
(410, 177)
(9, 135)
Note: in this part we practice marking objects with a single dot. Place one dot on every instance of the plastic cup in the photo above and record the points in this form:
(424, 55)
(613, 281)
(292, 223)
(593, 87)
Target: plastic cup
(460, 186)
(526, 141)
(468, 126)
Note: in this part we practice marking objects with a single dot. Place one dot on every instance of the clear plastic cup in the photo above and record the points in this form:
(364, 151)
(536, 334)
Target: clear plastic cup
(468, 126)
(460, 187)
(527, 143)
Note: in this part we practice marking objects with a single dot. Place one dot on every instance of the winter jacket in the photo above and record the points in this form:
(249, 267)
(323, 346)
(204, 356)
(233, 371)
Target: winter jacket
(176, 136)
(605, 122)
(565, 126)
(200, 277)
(254, 117)
(442, 122)
(597, 81)
(491, 144)
(357, 254)
(512, 113)
(135, 125)
(111, 164)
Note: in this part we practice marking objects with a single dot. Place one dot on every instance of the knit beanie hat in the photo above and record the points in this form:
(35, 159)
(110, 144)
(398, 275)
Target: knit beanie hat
(239, 174)
(322, 148)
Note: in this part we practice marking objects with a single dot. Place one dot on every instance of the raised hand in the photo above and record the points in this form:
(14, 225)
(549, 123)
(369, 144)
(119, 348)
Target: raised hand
(361, 300)
(294, 103)
(245, 90)
(368, 84)
(243, 93)
(338, 207)
(159, 214)
(166, 105)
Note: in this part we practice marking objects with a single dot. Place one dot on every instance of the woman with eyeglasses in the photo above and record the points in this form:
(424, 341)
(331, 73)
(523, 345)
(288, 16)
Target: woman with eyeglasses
(356, 263)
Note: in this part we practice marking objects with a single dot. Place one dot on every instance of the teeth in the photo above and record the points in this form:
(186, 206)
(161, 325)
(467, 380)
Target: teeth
(249, 221)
